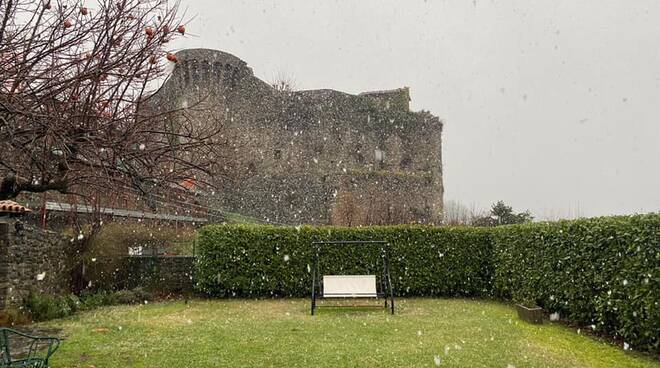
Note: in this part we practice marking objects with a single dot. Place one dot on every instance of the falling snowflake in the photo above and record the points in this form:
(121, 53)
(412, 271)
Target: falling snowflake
(437, 360)
(41, 276)
(286, 258)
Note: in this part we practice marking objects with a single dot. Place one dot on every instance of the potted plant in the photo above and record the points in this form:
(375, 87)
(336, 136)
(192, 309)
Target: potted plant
(528, 311)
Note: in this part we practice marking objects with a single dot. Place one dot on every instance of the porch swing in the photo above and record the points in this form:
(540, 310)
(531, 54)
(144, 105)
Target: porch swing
(352, 286)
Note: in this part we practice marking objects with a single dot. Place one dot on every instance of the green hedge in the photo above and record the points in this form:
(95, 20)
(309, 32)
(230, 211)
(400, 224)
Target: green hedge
(252, 260)
(601, 272)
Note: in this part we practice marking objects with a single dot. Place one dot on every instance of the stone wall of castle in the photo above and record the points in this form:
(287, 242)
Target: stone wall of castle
(315, 157)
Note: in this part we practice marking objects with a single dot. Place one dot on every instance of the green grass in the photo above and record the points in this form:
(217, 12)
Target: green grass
(281, 333)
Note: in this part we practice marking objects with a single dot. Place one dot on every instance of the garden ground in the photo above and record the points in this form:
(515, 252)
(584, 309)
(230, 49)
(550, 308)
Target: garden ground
(281, 333)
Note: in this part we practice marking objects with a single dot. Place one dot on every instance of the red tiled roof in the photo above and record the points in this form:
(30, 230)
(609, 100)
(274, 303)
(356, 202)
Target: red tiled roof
(12, 207)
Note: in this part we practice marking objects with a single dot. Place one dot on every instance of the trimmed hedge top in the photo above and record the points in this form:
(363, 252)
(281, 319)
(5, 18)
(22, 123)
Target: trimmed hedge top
(601, 272)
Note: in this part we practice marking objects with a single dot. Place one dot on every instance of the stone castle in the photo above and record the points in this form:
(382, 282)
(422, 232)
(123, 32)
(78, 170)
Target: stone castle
(310, 157)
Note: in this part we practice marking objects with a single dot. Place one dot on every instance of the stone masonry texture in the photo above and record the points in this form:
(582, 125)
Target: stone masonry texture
(310, 157)
(33, 260)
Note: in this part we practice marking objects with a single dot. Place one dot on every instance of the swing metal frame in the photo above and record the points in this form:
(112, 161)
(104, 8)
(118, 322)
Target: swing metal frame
(386, 288)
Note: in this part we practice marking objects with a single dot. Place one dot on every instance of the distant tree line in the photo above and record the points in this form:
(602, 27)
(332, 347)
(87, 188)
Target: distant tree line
(499, 214)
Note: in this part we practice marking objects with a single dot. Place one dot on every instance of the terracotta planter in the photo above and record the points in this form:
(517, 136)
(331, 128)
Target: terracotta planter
(530, 314)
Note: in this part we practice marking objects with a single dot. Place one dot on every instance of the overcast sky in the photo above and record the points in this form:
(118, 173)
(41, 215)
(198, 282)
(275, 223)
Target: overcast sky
(548, 105)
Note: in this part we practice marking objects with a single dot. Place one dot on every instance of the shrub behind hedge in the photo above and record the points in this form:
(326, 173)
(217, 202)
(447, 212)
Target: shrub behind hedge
(43, 307)
(253, 260)
(601, 272)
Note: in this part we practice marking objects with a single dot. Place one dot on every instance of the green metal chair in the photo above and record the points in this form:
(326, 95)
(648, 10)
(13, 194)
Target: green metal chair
(39, 349)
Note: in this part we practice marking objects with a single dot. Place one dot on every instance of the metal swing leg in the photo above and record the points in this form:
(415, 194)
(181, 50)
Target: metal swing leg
(313, 290)
(388, 280)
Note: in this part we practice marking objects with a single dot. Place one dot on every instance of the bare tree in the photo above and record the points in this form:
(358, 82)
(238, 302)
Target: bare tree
(375, 207)
(284, 82)
(71, 82)
(74, 84)
(456, 213)
(345, 211)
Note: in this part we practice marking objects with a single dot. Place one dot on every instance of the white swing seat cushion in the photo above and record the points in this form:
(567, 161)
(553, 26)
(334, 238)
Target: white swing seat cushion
(349, 286)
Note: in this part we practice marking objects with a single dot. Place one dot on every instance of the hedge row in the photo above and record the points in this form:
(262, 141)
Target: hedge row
(602, 272)
(249, 260)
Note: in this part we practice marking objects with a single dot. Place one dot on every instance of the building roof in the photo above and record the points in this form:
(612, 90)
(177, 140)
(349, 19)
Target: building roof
(7, 206)
(81, 208)
(386, 92)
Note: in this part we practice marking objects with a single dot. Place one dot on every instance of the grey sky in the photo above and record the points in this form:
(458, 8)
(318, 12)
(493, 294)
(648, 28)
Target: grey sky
(549, 105)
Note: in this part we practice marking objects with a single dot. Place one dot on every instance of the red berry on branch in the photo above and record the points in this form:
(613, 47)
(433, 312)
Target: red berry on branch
(171, 57)
(68, 23)
(153, 60)
(149, 31)
(83, 11)
(181, 29)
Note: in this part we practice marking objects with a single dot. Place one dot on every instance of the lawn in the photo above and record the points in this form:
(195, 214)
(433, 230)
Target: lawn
(281, 333)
